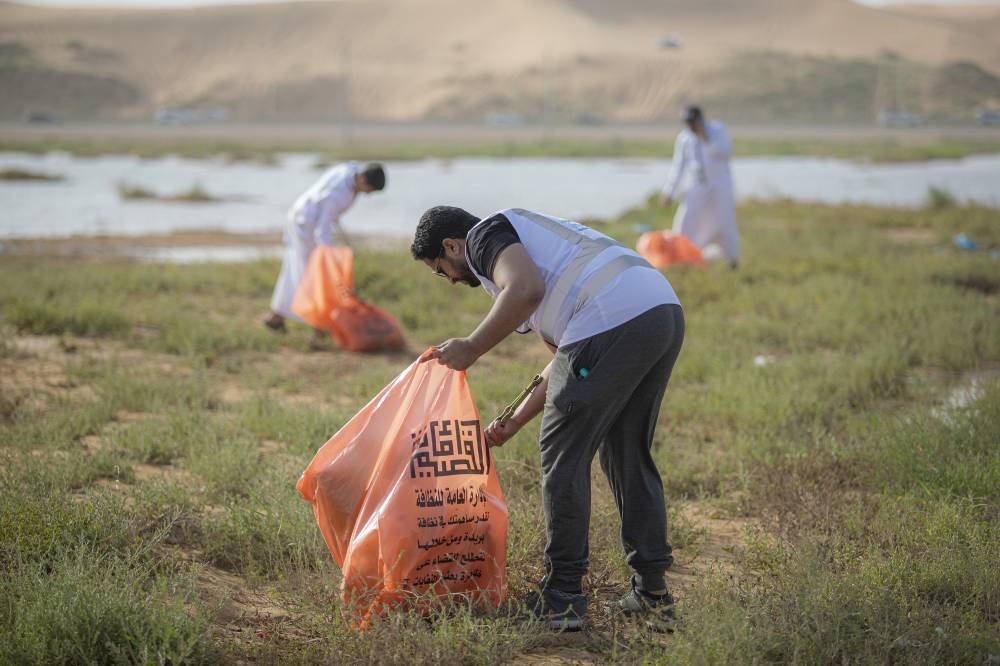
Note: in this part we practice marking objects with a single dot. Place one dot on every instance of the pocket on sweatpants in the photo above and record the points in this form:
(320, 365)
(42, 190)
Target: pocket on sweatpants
(569, 391)
(561, 385)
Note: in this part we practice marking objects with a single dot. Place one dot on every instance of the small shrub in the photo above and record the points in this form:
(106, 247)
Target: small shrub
(196, 194)
(135, 192)
(93, 608)
(23, 174)
(939, 198)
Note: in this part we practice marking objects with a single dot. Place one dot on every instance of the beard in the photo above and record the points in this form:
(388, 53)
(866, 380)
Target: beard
(463, 274)
(468, 278)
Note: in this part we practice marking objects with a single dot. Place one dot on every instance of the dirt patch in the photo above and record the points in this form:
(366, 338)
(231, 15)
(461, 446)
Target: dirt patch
(721, 539)
(92, 443)
(35, 370)
(911, 236)
(63, 349)
(807, 495)
(270, 446)
(145, 473)
(234, 394)
(238, 601)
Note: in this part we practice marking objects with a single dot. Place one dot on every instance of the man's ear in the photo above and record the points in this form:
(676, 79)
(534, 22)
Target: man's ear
(453, 246)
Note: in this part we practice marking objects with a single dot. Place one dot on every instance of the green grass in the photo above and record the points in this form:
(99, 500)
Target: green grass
(914, 148)
(939, 198)
(26, 174)
(89, 606)
(196, 194)
(881, 150)
(84, 319)
(151, 433)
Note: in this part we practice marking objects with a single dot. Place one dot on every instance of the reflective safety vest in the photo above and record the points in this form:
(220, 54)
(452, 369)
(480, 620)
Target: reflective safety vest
(592, 283)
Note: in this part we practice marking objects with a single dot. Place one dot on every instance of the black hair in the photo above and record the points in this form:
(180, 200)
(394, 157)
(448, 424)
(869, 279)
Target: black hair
(692, 113)
(374, 175)
(435, 225)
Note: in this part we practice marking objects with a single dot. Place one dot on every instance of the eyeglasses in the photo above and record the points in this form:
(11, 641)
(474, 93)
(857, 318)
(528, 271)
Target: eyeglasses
(437, 266)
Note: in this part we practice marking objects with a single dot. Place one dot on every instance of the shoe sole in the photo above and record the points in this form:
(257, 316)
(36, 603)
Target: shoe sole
(566, 624)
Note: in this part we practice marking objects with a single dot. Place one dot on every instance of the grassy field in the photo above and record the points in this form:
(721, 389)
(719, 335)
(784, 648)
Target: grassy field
(828, 446)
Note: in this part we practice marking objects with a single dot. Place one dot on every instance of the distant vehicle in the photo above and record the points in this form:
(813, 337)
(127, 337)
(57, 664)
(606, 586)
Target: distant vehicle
(988, 117)
(588, 118)
(898, 119)
(181, 115)
(174, 115)
(42, 117)
(505, 119)
(669, 42)
(216, 115)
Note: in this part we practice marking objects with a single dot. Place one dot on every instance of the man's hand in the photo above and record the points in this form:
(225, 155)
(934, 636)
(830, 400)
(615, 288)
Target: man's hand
(456, 353)
(343, 234)
(497, 433)
(666, 200)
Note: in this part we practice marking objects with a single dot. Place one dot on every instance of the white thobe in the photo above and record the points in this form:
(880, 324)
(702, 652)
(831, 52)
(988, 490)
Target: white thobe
(311, 220)
(707, 215)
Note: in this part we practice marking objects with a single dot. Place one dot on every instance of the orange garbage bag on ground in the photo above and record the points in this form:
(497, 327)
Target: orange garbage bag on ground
(408, 500)
(662, 248)
(325, 299)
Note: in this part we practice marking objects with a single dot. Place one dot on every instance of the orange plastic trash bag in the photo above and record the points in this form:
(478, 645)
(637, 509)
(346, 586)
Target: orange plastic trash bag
(325, 299)
(408, 500)
(662, 248)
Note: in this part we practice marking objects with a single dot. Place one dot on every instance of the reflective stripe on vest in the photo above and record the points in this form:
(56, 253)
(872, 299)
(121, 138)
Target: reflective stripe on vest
(568, 288)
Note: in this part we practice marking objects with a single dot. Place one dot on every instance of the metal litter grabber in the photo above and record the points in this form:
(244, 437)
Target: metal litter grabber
(508, 411)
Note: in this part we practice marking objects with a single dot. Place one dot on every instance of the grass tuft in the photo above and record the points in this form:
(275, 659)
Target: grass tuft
(28, 175)
(196, 194)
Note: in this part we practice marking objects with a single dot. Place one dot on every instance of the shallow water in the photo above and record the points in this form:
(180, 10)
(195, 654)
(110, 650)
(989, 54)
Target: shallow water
(87, 202)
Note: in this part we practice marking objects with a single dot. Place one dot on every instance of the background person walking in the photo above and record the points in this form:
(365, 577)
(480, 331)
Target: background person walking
(707, 215)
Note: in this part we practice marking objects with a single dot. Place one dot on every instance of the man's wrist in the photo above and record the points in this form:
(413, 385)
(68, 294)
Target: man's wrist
(475, 346)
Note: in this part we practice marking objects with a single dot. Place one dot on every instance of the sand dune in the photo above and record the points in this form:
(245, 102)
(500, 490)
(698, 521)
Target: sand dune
(411, 59)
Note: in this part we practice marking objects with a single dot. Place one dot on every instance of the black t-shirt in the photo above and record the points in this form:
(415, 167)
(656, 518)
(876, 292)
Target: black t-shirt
(485, 243)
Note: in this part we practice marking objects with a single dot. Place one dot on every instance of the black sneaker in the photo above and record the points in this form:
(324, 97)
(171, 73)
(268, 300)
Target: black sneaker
(656, 612)
(562, 611)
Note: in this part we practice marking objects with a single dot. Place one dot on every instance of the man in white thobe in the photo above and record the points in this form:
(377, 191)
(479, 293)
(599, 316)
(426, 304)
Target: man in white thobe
(311, 220)
(707, 214)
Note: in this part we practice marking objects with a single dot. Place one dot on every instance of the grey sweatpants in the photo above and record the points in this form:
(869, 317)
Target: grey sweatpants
(611, 410)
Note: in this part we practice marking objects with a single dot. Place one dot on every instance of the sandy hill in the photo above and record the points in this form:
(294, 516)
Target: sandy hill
(466, 59)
